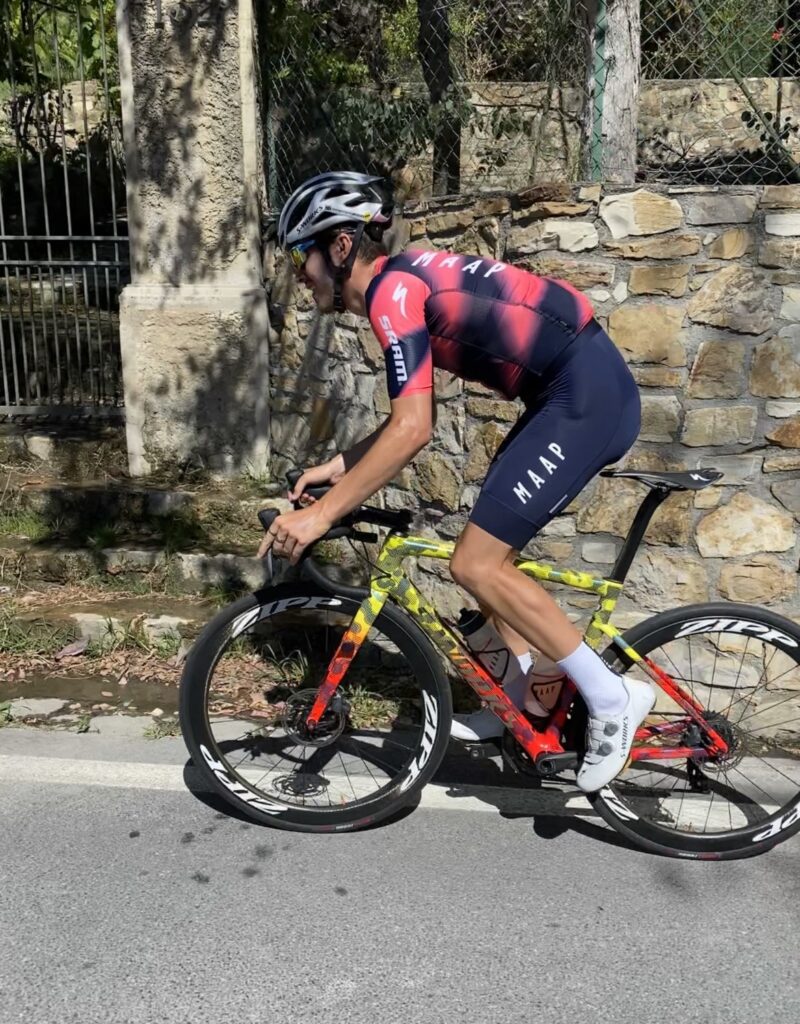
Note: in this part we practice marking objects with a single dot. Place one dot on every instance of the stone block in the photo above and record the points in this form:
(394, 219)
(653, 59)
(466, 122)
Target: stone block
(437, 480)
(640, 213)
(660, 580)
(781, 197)
(668, 279)
(483, 443)
(481, 239)
(573, 236)
(722, 425)
(582, 274)
(790, 306)
(163, 627)
(782, 410)
(759, 580)
(717, 370)
(731, 244)
(95, 627)
(745, 526)
(782, 463)
(450, 222)
(528, 239)
(775, 372)
(787, 435)
(657, 376)
(660, 418)
(649, 333)
(736, 298)
(783, 254)
(613, 503)
(720, 209)
(601, 552)
(24, 708)
(492, 409)
(737, 469)
(668, 248)
(786, 224)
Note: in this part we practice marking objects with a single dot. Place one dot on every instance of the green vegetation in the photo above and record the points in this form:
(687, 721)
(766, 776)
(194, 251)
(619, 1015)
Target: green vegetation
(25, 523)
(163, 727)
(31, 638)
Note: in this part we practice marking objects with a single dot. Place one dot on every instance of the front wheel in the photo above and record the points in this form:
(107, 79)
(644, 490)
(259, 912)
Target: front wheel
(741, 664)
(249, 684)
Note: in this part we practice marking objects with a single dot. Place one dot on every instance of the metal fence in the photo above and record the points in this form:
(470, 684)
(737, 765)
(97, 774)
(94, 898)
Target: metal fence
(720, 100)
(63, 244)
(447, 95)
(459, 95)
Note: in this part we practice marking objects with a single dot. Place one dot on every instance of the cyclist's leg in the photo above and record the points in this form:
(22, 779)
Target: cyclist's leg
(588, 416)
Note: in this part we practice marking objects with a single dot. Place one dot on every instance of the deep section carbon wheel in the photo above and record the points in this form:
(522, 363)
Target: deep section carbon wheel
(248, 687)
(742, 665)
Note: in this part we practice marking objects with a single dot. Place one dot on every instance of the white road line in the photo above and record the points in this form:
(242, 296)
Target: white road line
(168, 777)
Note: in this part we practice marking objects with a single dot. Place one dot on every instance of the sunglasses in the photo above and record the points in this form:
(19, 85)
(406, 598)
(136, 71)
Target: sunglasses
(298, 254)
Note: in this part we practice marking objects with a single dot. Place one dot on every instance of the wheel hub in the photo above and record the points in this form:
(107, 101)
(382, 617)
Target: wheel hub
(728, 731)
(329, 728)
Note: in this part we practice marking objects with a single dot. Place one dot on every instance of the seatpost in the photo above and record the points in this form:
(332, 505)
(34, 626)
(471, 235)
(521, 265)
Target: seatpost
(641, 521)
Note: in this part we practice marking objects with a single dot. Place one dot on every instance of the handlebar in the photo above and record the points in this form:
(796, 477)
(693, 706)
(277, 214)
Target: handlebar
(397, 521)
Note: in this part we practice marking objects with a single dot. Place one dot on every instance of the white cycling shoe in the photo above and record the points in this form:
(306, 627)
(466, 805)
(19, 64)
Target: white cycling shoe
(485, 725)
(477, 727)
(609, 738)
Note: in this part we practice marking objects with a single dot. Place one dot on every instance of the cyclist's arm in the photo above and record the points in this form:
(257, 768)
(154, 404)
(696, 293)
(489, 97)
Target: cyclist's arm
(357, 452)
(408, 429)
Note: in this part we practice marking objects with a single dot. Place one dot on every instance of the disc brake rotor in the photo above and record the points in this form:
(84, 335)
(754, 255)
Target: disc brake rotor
(329, 728)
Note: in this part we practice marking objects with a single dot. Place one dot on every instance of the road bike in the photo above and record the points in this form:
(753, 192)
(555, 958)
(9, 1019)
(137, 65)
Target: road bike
(320, 706)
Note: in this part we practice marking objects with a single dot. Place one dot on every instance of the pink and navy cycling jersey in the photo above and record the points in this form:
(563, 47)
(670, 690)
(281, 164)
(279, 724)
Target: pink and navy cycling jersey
(478, 318)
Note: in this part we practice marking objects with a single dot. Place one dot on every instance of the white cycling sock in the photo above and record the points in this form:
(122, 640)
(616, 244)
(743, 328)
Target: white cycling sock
(601, 688)
(525, 661)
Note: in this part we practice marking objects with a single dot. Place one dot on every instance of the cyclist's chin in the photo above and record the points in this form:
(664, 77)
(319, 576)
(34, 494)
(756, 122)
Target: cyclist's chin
(323, 300)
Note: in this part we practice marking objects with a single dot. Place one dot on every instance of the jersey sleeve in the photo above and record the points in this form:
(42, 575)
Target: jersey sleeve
(397, 316)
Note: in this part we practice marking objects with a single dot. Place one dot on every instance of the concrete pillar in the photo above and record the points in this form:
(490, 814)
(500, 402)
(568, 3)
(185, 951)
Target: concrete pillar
(193, 321)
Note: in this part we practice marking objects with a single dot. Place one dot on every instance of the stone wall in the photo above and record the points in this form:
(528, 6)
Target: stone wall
(508, 142)
(699, 288)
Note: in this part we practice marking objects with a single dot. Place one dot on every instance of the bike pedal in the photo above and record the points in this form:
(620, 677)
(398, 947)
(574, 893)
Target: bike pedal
(481, 751)
(553, 764)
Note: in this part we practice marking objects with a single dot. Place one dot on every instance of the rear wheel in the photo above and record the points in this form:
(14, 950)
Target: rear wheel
(742, 664)
(251, 679)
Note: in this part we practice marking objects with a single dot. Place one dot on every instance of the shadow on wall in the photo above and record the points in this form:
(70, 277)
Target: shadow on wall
(197, 224)
(181, 97)
(322, 388)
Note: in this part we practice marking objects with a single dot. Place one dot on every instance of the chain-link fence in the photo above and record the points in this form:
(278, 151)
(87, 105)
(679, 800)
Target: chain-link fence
(720, 101)
(446, 95)
(460, 95)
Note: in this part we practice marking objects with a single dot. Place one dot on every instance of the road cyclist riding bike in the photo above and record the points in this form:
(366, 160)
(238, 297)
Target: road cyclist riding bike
(524, 336)
(353, 714)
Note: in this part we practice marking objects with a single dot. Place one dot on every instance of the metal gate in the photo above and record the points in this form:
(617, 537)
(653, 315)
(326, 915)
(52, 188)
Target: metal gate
(63, 226)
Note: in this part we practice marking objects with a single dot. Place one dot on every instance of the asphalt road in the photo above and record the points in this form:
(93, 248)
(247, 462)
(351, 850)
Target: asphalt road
(124, 897)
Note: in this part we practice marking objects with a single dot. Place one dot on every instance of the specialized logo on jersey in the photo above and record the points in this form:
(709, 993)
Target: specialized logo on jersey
(397, 350)
(399, 296)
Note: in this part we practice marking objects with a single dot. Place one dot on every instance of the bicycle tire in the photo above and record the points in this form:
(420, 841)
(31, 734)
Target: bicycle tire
(620, 802)
(302, 598)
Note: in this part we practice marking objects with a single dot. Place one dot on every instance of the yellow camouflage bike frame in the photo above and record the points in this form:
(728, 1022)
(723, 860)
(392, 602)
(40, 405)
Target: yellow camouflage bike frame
(542, 744)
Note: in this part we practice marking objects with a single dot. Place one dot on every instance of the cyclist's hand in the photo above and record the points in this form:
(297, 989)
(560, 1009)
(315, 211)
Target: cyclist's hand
(330, 472)
(291, 533)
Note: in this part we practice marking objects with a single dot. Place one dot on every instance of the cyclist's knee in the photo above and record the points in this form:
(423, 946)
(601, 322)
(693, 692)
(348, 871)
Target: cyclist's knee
(472, 573)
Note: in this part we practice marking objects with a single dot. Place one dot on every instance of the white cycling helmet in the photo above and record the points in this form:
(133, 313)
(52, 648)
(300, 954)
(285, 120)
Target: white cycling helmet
(335, 199)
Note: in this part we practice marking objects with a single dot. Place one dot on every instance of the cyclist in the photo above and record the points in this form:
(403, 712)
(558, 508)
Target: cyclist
(527, 337)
